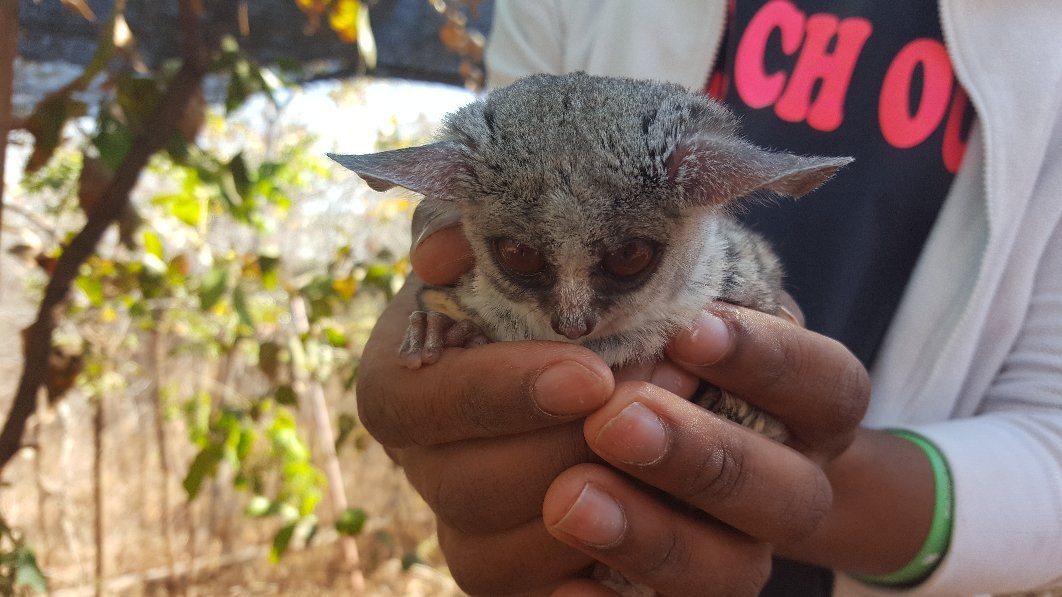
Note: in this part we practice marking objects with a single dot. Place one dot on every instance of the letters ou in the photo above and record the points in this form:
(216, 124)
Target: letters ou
(903, 128)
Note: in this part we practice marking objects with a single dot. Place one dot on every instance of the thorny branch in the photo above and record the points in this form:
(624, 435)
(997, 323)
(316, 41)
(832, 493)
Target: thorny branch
(156, 133)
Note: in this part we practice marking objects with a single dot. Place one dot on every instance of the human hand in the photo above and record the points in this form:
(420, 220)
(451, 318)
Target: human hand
(754, 470)
(736, 493)
(481, 435)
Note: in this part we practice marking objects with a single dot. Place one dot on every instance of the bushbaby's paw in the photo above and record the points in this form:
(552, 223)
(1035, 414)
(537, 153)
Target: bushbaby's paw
(737, 410)
(429, 332)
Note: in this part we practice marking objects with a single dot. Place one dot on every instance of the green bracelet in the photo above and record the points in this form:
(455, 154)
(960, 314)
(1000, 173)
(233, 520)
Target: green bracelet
(936, 544)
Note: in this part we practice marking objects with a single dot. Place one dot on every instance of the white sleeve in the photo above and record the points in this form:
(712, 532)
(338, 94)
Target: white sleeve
(525, 38)
(1006, 462)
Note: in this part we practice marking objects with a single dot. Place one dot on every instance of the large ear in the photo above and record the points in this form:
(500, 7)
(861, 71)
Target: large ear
(715, 170)
(432, 170)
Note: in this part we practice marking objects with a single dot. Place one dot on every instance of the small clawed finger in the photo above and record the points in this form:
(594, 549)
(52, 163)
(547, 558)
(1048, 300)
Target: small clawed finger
(500, 389)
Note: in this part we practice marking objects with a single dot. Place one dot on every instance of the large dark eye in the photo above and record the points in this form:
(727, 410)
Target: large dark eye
(518, 257)
(631, 259)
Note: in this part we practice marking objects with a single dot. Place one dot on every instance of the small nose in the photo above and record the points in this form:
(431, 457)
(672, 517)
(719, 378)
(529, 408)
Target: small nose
(572, 328)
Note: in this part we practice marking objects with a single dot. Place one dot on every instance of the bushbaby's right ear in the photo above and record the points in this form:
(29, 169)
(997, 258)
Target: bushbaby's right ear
(716, 169)
(431, 170)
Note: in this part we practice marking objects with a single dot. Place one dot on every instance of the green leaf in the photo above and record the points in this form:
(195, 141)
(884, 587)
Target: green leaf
(113, 140)
(239, 302)
(335, 336)
(248, 436)
(152, 244)
(347, 423)
(92, 287)
(351, 521)
(240, 177)
(138, 97)
(203, 465)
(260, 506)
(27, 572)
(281, 541)
(270, 272)
(285, 395)
(214, 283)
(287, 443)
(380, 275)
(410, 559)
(183, 206)
(309, 500)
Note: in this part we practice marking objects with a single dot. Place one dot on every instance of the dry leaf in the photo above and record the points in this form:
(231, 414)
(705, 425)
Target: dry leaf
(344, 19)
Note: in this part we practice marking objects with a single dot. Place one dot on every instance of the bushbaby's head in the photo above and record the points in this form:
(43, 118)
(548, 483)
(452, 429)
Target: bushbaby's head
(585, 198)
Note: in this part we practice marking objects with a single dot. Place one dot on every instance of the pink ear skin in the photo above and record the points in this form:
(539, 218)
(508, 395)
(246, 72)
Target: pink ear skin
(716, 170)
(431, 170)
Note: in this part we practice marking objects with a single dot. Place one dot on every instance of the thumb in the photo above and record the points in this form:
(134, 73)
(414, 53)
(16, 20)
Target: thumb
(443, 257)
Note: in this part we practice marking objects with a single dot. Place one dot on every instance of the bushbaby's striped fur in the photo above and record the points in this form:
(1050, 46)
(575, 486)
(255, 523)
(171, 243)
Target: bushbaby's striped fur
(574, 167)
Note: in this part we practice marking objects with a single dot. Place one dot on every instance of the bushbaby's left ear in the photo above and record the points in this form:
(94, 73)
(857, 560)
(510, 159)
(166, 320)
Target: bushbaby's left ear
(432, 170)
(713, 170)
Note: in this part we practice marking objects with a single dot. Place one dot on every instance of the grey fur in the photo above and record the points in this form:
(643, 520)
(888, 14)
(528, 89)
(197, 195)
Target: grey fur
(576, 165)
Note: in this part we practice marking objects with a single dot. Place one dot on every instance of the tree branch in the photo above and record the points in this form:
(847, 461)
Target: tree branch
(8, 51)
(154, 136)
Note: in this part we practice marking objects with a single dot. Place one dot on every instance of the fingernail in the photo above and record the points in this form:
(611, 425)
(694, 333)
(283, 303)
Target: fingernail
(785, 313)
(568, 388)
(634, 436)
(677, 381)
(707, 343)
(595, 518)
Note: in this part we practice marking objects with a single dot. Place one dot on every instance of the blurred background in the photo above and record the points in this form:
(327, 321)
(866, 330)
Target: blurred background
(186, 283)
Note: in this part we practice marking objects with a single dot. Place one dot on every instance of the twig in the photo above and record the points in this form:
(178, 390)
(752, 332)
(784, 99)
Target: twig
(154, 136)
(155, 359)
(327, 445)
(32, 218)
(97, 492)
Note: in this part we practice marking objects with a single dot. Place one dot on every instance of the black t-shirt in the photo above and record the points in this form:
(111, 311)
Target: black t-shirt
(862, 78)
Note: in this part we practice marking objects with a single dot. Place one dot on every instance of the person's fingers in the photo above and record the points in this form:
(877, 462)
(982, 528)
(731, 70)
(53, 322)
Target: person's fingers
(583, 587)
(809, 381)
(442, 257)
(510, 562)
(490, 485)
(663, 373)
(751, 483)
(496, 389)
(603, 514)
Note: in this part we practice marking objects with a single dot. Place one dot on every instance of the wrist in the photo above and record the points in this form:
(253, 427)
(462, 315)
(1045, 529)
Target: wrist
(883, 501)
(922, 565)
